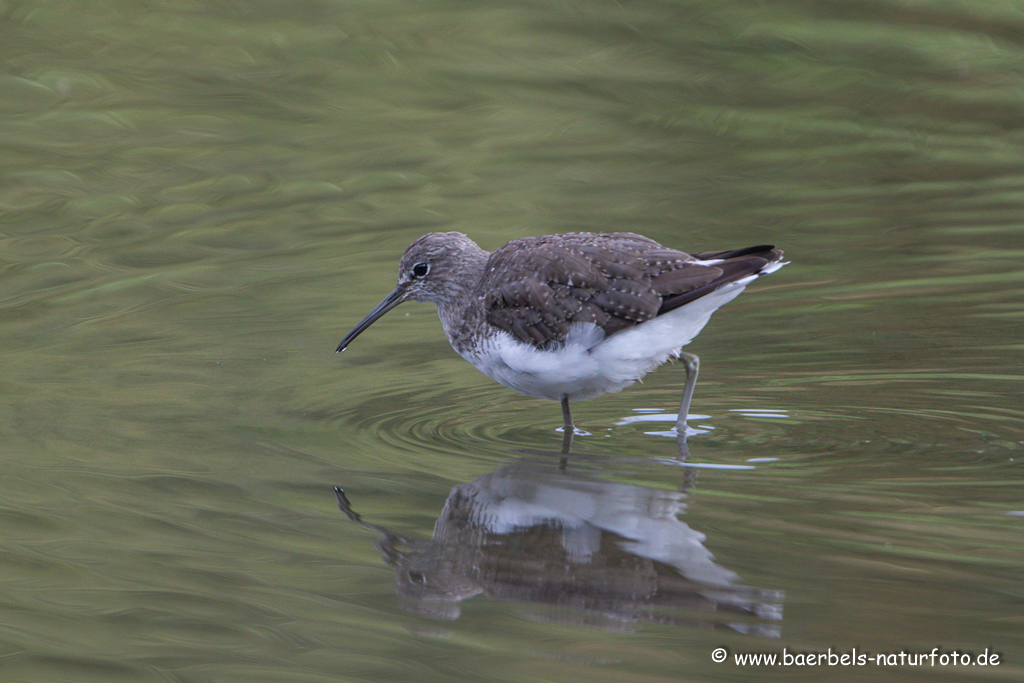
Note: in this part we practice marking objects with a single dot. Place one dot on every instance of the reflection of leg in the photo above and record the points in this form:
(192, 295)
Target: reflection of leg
(692, 364)
(568, 428)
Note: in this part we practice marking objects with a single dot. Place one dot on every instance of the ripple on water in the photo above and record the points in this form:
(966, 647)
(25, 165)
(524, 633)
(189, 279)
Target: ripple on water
(441, 407)
(473, 419)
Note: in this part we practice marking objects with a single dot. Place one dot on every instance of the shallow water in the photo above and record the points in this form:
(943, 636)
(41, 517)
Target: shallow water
(198, 201)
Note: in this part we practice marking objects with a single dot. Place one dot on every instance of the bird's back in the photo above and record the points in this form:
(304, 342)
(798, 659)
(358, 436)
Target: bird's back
(536, 288)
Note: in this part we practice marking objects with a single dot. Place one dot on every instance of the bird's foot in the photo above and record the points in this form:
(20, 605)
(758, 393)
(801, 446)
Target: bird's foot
(576, 431)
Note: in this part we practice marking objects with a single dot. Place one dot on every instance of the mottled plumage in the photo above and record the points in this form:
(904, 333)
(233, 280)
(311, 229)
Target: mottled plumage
(569, 317)
(534, 288)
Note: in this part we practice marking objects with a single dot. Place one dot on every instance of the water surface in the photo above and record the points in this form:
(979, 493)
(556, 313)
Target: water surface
(198, 201)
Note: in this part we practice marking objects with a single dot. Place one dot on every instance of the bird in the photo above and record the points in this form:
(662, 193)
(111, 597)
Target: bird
(572, 316)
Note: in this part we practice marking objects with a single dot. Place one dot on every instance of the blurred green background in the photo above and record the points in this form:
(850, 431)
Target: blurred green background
(199, 199)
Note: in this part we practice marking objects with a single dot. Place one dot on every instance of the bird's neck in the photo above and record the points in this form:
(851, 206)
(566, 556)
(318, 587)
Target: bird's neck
(462, 310)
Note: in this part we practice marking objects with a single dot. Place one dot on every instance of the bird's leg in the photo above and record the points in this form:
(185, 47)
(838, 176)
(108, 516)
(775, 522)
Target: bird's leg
(568, 428)
(567, 416)
(684, 448)
(692, 364)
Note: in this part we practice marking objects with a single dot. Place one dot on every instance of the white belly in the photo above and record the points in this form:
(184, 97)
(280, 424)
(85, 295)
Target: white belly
(589, 364)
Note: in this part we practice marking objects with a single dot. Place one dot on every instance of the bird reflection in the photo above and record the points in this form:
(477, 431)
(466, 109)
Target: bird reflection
(573, 548)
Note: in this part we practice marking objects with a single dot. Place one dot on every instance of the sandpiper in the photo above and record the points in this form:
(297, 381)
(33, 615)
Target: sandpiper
(573, 316)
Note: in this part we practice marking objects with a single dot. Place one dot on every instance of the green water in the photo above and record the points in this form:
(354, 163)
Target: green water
(198, 200)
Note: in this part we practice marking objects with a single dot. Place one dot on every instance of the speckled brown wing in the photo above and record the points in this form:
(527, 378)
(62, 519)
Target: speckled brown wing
(536, 287)
(734, 264)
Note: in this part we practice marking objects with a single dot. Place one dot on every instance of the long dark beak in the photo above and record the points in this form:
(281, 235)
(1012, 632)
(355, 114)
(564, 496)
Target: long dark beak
(390, 301)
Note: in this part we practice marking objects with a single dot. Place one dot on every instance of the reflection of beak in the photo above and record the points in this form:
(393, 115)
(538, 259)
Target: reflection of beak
(390, 301)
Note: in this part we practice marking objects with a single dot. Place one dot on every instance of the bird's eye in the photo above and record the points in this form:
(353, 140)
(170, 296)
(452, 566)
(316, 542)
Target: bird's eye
(420, 270)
